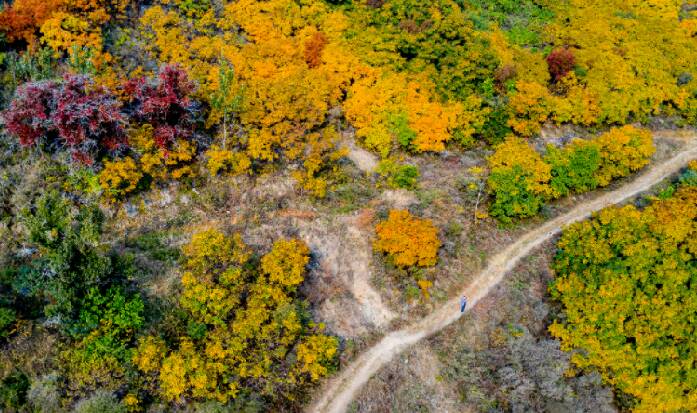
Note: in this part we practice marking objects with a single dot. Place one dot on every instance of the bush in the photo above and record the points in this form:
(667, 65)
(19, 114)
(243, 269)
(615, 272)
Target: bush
(560, 62)
(74, 114)
(221, 160)
(29, 115)
(120, 178)
(104, 333)
(8, 317)
(248, 332)
(88, 118)
(513, 197)
(623, 150)
(71, 269)
(13, 391)
(519, 180)
(398, 176)
(574, 168)
(408, 240)
(165, 104)
(70, 262)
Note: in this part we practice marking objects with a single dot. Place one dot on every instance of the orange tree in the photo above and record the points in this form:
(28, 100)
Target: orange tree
(409, 241)
(625, 280)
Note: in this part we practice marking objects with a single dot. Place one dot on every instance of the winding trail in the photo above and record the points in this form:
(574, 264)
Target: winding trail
(339, 391)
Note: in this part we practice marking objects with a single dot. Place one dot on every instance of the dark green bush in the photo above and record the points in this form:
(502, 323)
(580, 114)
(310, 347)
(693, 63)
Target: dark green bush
(13, 391)
(513, 198)
(398, 176)
(573, 168)
(8, 317)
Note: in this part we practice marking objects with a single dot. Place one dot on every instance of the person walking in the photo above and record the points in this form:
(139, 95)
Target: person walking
(463, 303)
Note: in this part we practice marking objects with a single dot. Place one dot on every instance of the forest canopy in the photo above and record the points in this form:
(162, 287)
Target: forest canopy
(167, 168)
(626, 282)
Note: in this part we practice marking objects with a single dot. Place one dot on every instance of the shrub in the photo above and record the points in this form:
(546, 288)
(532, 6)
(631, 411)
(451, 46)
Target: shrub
(531, 105)
(519, 180)
(285, 264)
(120, 178)
(251, 332)
(104, 331)
(71, 261)
(398, 176)
(513, 197)
(574, 167)
(221, 160)
(28, 116)
(161, 164)
(165, 104)
(8, 317)
(75, 114)
(88, 117)
(623, 150)
(409, 241)
(560, 62)
(496, 128)
(13, 391)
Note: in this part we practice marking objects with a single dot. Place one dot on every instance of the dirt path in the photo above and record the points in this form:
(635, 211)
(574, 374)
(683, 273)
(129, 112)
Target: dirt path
(340, 390)
(344, 251)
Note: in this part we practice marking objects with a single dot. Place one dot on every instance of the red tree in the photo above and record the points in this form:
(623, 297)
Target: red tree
(560, 62)
(75, 114)
(88, 117)
(164, 103)
(29, 115)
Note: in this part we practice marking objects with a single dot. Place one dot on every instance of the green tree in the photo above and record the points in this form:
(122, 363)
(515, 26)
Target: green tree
(574, 167)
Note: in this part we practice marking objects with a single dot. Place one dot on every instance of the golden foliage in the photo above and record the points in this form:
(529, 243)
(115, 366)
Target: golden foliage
(630, 68)
(531, 105)
(693, 165)
(623, 151)
(624, 280)
(221, 160)
(285, 263)
(375, 99)
(517, 152)
(120, 178)
(312, 351)
(408, 240)
(252, 333)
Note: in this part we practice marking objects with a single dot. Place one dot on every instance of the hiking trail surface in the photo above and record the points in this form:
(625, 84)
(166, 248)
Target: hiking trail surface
(339, 391)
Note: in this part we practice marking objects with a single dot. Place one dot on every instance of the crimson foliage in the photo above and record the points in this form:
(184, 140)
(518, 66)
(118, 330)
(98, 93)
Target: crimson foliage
(29, 114)
(74, 114)
(164, 103)
(88, 118)
(560, 62)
